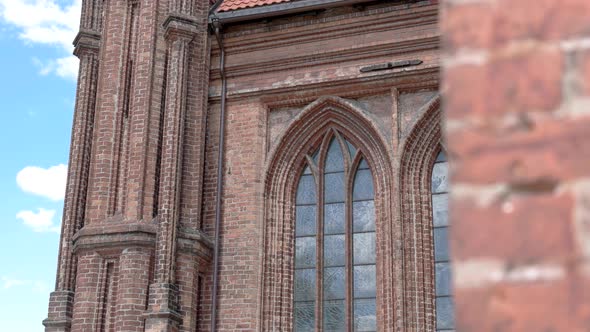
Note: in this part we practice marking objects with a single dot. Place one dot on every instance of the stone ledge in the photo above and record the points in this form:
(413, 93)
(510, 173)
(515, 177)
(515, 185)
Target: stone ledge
(114, 235)
(86, 40)
(180, 25)
(195, 242)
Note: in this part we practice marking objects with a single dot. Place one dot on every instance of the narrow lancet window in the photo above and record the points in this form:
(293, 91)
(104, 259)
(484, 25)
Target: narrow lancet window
(335, 255)
(444, 303)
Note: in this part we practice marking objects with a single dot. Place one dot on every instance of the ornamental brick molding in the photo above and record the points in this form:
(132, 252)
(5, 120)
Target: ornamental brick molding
(302, 138)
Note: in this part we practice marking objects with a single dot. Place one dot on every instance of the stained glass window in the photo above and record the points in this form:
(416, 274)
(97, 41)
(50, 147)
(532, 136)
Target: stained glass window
(445, 319)
(335, 244)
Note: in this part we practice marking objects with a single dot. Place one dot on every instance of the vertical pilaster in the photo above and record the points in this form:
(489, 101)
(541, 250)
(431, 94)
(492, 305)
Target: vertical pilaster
(163, 304)
(134, 275)
(87, 45)
(111, 101)
(89, 290)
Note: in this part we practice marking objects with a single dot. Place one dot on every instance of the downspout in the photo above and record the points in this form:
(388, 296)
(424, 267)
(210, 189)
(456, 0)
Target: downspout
(216, 26)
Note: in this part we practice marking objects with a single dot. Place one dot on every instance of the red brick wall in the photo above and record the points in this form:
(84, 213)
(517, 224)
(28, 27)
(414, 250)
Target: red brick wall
(150, 178)
(515, 83)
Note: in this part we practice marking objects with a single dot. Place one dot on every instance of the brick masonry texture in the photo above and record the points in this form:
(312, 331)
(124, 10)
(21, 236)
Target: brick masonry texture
(515, 81)
(139, 216)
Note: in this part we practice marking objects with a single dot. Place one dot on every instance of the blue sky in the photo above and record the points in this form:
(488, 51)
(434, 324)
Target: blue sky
(37, 94)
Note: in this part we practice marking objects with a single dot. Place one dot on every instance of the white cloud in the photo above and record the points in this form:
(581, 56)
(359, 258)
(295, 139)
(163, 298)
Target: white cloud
(8, 283)
(46, 22)
(49, 183)
(37, 286)
(42, 221)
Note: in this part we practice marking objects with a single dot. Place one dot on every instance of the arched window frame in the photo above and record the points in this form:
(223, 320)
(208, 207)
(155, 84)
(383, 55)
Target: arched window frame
(285, 165)
(336, 158)
(419, 153)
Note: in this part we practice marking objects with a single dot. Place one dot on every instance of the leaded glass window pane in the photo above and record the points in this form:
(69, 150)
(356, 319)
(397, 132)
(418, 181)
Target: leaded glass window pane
(364, 281)
(334, 159)
(365, 315)
(334, 316)
(334, 219)
(348, 245)
(306, 190)
(364, 248)
(363, 185)
(440, 221)
(334, 188)
(334, 283)
(441, 244)
(439, 178)
(305, 284)
(445, 316)
(304, 317)
(334, 250)
(440, 210)
(305, 217)
(363, 216)
(305, 254)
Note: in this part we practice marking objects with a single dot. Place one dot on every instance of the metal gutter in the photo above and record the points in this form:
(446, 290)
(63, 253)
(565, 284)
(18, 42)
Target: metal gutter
(216, 26)
(284, 8)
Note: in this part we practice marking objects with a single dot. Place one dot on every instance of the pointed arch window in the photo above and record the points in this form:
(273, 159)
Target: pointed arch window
(335, 245)
(440, 221)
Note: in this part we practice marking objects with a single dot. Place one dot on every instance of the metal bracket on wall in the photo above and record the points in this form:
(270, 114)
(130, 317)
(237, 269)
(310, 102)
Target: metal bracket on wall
(391, 65)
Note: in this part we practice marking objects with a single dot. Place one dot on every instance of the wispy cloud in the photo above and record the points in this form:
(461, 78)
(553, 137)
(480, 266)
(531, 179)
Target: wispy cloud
(8, 283)
(40, 221)
(37, 286)
(46, 182)
(49, 23)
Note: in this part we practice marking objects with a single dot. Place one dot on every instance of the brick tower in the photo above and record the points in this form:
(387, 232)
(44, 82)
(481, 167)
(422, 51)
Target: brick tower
(143, 76)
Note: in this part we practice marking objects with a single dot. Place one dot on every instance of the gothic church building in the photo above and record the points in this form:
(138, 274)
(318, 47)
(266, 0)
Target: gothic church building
(256, 165)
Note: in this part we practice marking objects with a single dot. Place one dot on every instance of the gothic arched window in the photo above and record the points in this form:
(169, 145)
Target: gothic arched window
(440, 221)
(335, 257)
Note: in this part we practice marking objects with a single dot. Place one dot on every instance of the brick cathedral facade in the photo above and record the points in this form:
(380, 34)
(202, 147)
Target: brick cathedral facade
(192, 131)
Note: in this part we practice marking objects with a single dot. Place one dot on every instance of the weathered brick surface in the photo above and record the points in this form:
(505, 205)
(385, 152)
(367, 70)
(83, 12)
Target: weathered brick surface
(516, 85)
(501, 85)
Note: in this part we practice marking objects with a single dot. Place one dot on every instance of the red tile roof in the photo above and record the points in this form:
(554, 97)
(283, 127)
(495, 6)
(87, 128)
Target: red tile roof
(229, 5)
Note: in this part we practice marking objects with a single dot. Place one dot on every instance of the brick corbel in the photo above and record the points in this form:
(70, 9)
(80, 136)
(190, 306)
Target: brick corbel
(178, 25)
(113, 236)
(86, 41)
(195, 243)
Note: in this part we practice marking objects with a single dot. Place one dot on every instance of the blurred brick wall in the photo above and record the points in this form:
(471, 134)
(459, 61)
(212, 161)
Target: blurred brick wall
(516, 87)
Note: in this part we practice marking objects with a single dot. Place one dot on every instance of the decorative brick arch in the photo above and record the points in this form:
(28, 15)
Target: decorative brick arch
(302, 137)
(418, 155)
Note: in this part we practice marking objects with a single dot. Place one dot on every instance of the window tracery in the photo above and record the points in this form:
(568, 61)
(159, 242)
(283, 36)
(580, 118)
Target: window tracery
(335, 285)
